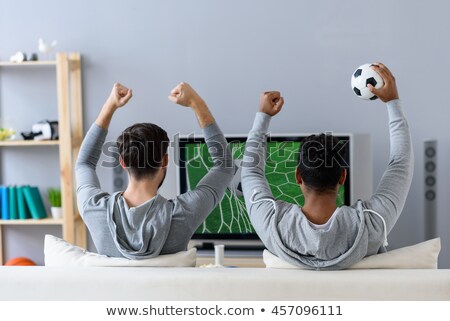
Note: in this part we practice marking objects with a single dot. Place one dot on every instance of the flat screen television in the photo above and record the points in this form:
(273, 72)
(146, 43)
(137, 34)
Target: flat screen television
(229, 221)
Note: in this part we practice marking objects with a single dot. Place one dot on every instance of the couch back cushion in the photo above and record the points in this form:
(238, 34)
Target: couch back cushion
(419, 256)
(58, 252)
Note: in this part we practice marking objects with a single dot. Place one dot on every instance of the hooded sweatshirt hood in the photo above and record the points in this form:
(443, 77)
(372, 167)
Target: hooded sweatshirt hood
(138, 232)
(310, 246)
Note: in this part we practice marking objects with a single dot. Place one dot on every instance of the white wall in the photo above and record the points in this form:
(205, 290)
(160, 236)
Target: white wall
(230, 51)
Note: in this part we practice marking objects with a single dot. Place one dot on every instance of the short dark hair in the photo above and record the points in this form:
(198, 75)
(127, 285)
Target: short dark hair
(321, 159)
(142, 147)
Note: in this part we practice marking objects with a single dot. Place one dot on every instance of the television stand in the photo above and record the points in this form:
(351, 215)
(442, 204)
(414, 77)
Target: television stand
(209, 246)
(236, 255)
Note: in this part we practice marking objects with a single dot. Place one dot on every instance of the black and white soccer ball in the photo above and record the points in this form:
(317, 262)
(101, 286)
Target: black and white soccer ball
(363, 76)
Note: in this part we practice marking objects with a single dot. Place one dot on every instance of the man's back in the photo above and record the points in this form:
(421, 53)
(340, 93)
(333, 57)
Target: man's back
(154, 225)
(351, 232)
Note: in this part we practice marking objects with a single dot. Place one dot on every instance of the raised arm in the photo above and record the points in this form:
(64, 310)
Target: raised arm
(390, 196)
(258, 196)
(198, 203)
(88, 185)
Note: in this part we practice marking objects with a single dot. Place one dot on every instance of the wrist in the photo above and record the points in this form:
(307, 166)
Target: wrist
(392, 99)
(199, 105)
(264, 112)
(204, 115)
(393, 103)
(109, 107)
(264, 115)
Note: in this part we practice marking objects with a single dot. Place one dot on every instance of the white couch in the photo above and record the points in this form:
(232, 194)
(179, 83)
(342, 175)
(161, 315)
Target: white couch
(156, 283)
(72, 273)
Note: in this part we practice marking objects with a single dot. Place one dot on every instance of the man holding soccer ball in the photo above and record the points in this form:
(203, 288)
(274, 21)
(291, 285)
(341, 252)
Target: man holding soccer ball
(319, 235)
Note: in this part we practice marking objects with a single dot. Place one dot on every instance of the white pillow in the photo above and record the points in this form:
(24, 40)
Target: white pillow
(420, 256)
(61, 253)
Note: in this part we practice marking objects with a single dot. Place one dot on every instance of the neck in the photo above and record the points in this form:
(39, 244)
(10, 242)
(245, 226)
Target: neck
(140, 191)
(319, 208)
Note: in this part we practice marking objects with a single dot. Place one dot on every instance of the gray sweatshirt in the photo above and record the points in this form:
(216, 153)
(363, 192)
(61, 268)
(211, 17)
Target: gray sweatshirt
(158, 226)
(352, 232)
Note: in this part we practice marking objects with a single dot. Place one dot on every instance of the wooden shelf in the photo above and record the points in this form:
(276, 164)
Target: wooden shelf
(27, 63)
(18, 143)
(44, 221)
(70, 117)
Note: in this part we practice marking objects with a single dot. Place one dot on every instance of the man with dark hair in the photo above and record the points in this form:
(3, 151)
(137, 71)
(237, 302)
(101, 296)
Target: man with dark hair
(138, 223)
(142, 148)
(319, 235)
(321, 160)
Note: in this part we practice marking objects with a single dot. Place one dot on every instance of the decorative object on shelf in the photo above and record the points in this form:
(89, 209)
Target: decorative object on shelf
(33, 57)
(43, 130)
(46, 48)
(20, 261)
(6, 133)
(18, 57)
(54, 198)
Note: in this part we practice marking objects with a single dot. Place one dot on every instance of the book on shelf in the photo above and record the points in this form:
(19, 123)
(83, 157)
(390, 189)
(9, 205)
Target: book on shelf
(21, 202)
(34, 201)
(22, 206)
(4, 202)
(12, 193)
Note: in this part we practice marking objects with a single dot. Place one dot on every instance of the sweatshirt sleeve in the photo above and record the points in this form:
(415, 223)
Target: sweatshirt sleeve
(261, 205)
(88, 185)
(198, 203)
(254, 162)
(390, 196)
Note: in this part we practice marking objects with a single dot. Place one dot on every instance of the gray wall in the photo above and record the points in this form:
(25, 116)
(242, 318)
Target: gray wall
(230, 51)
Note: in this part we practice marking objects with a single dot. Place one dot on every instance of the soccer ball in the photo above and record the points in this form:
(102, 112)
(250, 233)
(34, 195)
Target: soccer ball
(363, 76)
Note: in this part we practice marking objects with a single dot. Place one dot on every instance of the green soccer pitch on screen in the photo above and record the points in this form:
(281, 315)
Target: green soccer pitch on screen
(230, 217)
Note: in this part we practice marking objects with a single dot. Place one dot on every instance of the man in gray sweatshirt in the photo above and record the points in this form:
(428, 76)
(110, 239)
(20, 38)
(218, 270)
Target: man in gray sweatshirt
(138, 223)
(319, 235)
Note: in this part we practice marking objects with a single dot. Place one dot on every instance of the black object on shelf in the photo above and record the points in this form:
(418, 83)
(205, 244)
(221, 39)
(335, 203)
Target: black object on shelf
(43, 130)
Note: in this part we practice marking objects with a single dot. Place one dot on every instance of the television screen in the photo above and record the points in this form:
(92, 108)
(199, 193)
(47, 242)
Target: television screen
(229, 220)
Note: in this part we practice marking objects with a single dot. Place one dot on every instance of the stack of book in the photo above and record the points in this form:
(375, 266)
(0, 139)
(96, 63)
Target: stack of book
(21, 202)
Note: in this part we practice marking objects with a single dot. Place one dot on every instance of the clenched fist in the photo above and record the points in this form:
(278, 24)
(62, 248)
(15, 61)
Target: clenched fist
(185, 95)
(119, 96)
(270, 102)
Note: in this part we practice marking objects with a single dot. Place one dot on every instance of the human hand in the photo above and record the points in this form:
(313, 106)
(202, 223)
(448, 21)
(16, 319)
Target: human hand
(119, 96)
(185, 95)
(270, 102)
(389, 91)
